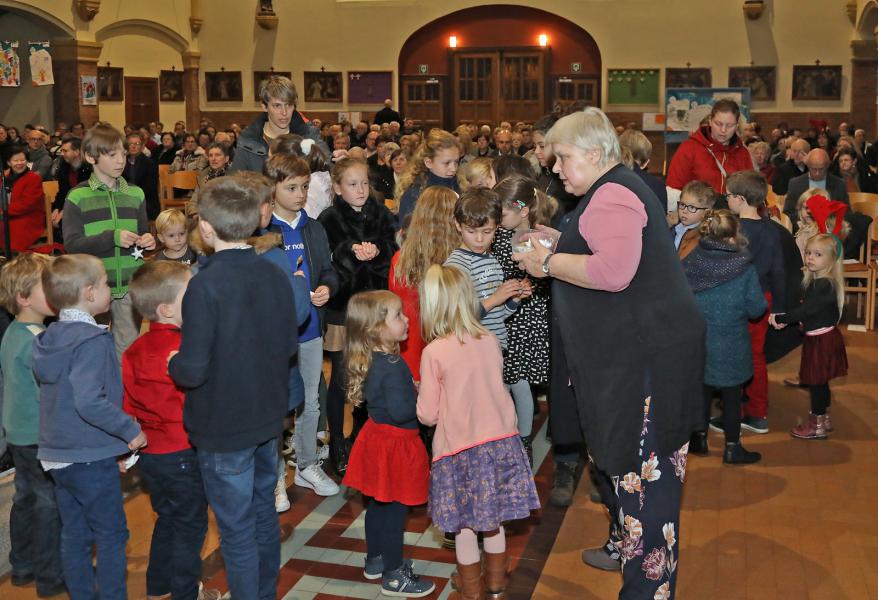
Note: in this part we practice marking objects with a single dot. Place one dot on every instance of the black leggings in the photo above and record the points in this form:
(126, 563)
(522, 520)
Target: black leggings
(335, 400)
(821, 399)
(731, 398)
(385, 525)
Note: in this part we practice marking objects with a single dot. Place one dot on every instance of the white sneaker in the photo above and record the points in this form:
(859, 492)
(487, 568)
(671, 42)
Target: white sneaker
(281, 500)
(314, 478)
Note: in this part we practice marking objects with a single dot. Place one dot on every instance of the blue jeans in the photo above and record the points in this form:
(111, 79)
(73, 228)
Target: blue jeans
(34, 524)
(89, 498)
(240, 490)
(177, 496)
(305, 434)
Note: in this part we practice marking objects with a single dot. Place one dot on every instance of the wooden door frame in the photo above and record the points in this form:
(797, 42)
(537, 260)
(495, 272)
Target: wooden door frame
(498, 50)
(129, 97)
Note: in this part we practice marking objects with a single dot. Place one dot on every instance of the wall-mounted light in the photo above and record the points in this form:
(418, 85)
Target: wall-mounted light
(452, 41)
(544, 40)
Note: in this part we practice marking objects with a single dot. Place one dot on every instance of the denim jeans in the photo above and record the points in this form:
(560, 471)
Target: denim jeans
(240, 490)
(177, 497)
(34, 524)
(89, 499)
(305, 434)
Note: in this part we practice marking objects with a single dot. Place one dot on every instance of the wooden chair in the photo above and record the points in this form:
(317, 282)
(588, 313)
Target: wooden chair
(182, 180)
(871, 209)
(163, 183)
(856, 197)
(50, 191)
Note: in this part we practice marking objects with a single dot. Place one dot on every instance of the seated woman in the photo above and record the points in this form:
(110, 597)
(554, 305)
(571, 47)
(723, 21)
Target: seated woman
(217, 163)
(761, 152)
(189, 158)
(27, 210)
(166, 153)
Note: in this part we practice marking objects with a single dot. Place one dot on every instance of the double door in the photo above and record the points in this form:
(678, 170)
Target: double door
(498, 85)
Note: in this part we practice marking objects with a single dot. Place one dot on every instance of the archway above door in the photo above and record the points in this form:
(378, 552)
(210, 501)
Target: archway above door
(498, 70)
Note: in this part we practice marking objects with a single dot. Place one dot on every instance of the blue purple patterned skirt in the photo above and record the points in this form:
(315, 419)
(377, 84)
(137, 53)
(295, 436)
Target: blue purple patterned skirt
(482, 487)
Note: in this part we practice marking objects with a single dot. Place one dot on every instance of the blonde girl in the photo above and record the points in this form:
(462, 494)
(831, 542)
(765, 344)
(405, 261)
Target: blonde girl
(478, 173)
(360, 231)
(388, 463)
(524, 207)
(430, 239)
(477, 453)
(435, 162)
(823, 352)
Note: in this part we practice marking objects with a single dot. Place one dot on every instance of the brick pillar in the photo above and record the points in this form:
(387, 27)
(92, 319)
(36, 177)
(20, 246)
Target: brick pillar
(864, 82)
(191, 89)
(70, 60)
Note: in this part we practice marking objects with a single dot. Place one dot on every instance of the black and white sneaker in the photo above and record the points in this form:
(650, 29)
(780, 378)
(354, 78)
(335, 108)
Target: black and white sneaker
(403, 583)
(6, 465)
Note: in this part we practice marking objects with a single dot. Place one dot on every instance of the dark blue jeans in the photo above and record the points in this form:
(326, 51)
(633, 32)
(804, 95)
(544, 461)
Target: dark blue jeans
(177, 497)
(89, 499)
(34, 524)
(240, 490)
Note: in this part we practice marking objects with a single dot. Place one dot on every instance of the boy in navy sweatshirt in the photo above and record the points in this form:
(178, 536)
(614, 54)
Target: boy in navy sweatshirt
(239, 337)
(83, 427)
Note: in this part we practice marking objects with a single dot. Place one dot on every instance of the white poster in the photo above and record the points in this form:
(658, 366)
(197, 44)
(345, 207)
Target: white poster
(40, 64)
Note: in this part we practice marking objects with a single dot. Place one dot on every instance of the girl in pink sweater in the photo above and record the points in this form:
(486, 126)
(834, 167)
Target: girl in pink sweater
(480, 475)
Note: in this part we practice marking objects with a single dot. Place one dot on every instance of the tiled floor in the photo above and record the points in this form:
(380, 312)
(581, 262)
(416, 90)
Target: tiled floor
(803, 524)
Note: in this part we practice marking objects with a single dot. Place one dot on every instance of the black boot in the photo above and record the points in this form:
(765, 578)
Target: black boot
(338, 457)
(736, 454)
(698, 443)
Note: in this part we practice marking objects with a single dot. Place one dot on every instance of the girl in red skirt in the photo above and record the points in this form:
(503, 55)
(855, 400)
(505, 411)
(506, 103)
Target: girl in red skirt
(823, 353)
(388, 463)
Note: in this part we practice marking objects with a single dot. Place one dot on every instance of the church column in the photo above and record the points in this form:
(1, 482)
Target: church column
(864, 82)
(191, 62)
(72, 59)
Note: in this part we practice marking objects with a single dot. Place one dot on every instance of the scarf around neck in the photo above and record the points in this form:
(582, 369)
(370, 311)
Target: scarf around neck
(714, 263)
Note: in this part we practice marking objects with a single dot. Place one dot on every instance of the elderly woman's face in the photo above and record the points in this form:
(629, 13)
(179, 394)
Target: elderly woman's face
(578, 168)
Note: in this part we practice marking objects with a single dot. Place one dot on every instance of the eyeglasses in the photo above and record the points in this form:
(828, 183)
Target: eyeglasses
(689, 208)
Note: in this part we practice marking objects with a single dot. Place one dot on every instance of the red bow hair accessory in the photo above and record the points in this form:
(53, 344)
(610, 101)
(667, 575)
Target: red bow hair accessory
(821, 209)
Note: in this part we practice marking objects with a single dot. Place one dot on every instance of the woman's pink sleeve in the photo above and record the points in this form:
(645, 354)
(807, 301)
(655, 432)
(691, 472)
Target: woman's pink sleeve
(612, 225)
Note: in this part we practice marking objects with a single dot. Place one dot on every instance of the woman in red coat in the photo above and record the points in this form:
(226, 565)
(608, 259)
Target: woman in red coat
(711, 154)
(27, 210)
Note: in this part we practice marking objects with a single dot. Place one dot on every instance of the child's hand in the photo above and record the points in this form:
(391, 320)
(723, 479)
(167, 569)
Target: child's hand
(672, 218)
(508, 289)
(320, 296)
(128, 238)
(526, 289)
(138, 442)
(57, 215)
(146, 241)
(772, 320)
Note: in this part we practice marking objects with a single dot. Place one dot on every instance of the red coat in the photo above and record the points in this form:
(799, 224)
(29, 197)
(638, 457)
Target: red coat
(27, 212)
(411, 348)
(151, 396)
(693, 161)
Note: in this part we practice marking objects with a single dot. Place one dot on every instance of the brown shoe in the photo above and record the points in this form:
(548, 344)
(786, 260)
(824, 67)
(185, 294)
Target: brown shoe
(496, 575)
(468, 582)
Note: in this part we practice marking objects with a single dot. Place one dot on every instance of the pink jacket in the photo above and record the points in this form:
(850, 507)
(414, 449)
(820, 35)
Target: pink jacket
(462, 393)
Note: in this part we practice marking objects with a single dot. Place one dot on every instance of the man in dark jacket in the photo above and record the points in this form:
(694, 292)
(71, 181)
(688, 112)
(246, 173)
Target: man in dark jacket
(387, 114)
(279, 98)
(791, 168)
(72, 170)
(143, 172)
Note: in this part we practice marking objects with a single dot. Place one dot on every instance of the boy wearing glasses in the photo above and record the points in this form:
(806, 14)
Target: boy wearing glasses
(696, 199)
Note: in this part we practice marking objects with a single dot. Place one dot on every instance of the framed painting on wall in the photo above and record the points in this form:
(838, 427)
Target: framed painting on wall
(223, 86)
(323, 86)
(110, 83)
(171, 86)
(762, 81)
(687, 78)
(816, 82)
(369, 87)
(633, 86)
(88, 90)
(260, 76)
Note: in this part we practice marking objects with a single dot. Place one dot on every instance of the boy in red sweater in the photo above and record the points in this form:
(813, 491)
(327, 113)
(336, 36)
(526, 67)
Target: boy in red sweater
(169, 465)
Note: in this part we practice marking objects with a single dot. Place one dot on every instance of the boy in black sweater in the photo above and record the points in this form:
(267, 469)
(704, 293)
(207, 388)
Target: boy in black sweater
(239, 336)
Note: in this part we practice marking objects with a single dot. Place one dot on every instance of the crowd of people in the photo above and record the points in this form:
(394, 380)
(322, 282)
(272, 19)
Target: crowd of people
(517, 261)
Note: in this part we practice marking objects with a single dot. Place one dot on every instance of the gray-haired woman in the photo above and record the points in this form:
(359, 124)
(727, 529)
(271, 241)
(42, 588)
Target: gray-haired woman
(626, 376)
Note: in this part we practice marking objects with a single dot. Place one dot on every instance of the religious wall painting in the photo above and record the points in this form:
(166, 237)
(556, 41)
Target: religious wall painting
(687, 78)
(111, 83)
(223, 86)
(323, 86)
(369, 87)
(817, 82)
(762, 81)
(171, 86)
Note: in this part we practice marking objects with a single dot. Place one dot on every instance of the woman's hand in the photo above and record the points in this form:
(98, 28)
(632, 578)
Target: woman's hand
(532, 261)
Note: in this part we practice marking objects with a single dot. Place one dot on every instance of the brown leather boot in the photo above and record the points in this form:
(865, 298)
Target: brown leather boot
(467, 580)
(496, 575)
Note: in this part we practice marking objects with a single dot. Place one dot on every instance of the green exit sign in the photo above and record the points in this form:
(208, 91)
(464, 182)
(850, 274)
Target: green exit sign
(576, 67)
(423, 69)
